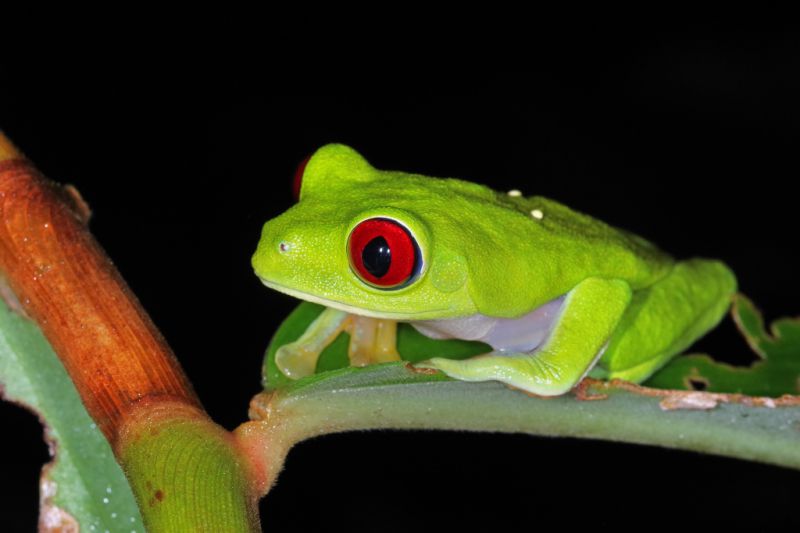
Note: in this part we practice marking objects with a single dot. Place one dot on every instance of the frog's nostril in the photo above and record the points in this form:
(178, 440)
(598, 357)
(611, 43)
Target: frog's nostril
(284, 246)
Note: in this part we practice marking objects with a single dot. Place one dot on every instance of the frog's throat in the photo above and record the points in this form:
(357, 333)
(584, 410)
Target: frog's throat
(361, 311)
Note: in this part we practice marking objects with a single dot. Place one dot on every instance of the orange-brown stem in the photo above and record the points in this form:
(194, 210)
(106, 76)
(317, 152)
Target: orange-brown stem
(129, 380)
(66, 283)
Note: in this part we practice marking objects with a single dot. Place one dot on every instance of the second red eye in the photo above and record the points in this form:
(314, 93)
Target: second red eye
(383, 253)
(297, 182)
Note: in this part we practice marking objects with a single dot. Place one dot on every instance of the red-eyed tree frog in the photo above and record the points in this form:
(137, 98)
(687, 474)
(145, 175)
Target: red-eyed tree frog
(555, 293)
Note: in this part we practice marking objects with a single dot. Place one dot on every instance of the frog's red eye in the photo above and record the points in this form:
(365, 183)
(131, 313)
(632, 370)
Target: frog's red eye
(383, 253)
(298, 178)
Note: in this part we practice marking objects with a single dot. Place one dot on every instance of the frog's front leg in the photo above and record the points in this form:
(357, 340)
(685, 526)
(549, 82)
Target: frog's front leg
(299, 358)
(589, 315)
(372, 340)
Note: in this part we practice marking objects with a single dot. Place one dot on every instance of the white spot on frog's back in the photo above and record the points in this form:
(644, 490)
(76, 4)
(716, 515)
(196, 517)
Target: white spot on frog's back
(538, 214)
(515, 192)
(523, 334)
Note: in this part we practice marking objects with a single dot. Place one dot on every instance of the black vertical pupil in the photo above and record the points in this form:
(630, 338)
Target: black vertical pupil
(377, 257)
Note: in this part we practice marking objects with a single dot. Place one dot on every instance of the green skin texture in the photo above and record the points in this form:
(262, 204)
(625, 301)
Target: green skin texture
(484, 252)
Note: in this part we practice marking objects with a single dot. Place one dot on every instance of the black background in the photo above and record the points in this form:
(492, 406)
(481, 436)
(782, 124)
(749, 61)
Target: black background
(687, 140)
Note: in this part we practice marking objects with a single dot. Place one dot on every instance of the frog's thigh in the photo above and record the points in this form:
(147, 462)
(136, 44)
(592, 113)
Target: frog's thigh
(299, 358)
(590, 313)
(664, 319)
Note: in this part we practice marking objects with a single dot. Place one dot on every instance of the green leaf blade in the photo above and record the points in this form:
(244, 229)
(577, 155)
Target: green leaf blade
(394, 396)
(777, 372)
(86, 482)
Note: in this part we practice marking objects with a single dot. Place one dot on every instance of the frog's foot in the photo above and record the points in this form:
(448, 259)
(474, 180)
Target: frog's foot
(535, 373)
(296, 361)
(372, 340)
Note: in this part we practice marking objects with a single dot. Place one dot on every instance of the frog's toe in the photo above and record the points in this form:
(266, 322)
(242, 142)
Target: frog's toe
(464, 370)
(295, 362)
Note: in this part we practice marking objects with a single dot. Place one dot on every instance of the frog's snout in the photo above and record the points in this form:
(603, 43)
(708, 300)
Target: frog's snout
(272, 250)
(276, 236)
(282, 245)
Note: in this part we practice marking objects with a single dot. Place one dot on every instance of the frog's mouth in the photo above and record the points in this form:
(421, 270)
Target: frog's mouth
(361, 311)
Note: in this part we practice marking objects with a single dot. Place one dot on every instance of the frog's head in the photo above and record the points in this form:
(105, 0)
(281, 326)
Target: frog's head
(376, 243)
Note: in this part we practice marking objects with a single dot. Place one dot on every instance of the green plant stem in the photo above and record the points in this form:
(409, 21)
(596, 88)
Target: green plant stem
(392, 396)
(187, 473)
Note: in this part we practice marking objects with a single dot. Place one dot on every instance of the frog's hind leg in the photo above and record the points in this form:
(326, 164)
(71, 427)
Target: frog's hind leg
(666, 318)
(590, 314)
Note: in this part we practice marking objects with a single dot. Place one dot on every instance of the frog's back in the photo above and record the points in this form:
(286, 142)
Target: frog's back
(647, 264)
(552, 249)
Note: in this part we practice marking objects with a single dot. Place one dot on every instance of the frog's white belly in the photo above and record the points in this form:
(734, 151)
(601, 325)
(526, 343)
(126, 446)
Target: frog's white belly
(523, 334)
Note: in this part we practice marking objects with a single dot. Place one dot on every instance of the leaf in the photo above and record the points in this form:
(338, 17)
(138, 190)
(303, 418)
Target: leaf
(392, 395)
(411, 345)
(776, 373)
(83, 484)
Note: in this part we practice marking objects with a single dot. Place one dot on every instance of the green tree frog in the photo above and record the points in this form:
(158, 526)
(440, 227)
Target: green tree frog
(555, 293)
